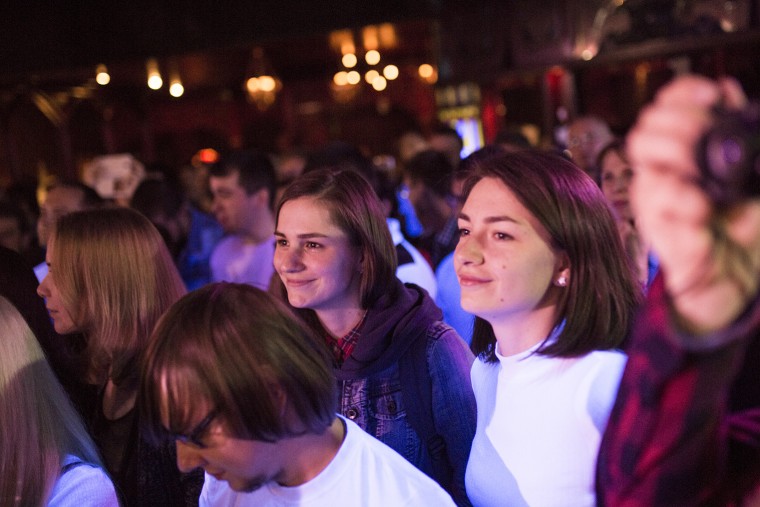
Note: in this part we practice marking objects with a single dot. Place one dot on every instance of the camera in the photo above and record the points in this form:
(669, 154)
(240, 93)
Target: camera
(728, 156)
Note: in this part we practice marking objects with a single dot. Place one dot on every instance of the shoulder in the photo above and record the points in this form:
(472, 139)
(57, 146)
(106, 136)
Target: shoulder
(83, 485)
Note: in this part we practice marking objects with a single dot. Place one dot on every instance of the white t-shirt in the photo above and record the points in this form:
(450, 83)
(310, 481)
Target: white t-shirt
(418, 271)
(238, 260)
(84, 485)
(364, 473)
(540, 422)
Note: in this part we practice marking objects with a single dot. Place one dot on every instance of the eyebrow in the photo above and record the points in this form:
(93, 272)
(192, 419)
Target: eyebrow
(308, 235)
(491, 220)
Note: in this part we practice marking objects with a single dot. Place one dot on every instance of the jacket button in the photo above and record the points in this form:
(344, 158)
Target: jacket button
(352, 413)
(392, 407)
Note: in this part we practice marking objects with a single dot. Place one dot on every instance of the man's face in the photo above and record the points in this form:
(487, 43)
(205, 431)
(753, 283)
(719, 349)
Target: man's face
(10, 234)
(233, 208)
(246, 465)
(59, 202)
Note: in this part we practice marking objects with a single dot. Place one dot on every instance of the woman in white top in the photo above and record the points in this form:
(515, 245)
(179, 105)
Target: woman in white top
(542, 267)
(47, 456)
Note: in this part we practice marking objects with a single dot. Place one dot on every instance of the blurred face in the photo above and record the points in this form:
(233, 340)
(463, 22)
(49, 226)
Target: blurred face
(504, 261)
(314, 258)
(10, 234)
(59, 202)
(616, 176)
(585, 138)
(246, 465)
(62, 319)
(233, 208)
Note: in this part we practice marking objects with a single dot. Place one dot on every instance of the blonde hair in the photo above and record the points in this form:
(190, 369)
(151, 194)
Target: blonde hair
(38, 424)
(116, 278)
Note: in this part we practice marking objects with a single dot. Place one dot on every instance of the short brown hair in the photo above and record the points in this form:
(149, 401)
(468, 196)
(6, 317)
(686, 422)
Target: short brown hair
(599, 304)
(356, 209)
(228, 344)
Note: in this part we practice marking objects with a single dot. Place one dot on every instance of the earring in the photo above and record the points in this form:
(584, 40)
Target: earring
(562, 281)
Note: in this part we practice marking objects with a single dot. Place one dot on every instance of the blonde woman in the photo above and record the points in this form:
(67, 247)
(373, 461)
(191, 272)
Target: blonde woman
(47, 456)
(110, 278)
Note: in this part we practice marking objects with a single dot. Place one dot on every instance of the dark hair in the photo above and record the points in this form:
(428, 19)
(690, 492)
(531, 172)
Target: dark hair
(433, 169)
(155, 197)
(355, 208)
(598, 304)
(236, 347)
(90, 198)
(616, 146)
(446, 130)
(254, 169)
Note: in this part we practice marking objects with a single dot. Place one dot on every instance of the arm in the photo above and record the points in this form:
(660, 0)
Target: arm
(449, 363)
(672, 436)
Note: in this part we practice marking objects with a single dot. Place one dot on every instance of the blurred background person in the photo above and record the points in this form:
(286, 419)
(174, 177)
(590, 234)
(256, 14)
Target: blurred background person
(586, 136)
(47, 456)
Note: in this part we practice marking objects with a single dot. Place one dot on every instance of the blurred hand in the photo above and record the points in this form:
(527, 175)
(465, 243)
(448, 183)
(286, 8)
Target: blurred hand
(710, 260)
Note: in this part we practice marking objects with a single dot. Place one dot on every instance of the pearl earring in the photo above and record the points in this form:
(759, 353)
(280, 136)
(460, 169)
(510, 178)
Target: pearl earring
(562, 281)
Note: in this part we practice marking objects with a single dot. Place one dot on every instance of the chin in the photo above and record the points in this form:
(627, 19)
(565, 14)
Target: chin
(247, 485)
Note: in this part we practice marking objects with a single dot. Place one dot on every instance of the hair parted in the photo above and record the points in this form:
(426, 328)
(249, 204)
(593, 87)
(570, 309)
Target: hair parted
(39, 426)
(356, 209)
(599, 303)
(232, 346)
(117, 278)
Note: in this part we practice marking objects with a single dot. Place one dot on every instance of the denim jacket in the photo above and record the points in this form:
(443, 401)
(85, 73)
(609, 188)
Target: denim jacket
(372, 393)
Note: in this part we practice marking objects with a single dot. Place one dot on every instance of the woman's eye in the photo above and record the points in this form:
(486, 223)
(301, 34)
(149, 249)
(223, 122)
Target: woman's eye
(463, 232)
(281, 242)
(310, 245)
(502, 236)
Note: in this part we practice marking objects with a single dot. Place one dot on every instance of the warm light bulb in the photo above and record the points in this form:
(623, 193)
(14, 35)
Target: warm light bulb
(102, 77)
(341, 78)
(155, 82)
(371, 75)
(390, 72)
(372, 57)
(176, 89)
(253, 85)
(379, 83)
(426, 71)
(267, 83)
(349, 60)
(354, 77)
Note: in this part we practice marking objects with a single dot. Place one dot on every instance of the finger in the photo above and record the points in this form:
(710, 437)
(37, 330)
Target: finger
(691, 90)
(732, 93)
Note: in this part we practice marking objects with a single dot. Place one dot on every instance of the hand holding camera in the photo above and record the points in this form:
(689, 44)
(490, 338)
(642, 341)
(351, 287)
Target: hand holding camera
(702, 219)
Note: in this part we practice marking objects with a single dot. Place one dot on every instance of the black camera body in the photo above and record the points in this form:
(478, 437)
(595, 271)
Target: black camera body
(728, 156)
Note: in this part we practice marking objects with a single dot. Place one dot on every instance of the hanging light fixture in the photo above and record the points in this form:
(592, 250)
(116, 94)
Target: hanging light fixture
(262, 85)
(176, 89)
(155, 81)
(102, 77)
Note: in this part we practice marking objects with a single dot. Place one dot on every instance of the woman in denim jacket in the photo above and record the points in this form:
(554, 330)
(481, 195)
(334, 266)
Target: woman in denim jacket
(403, 374)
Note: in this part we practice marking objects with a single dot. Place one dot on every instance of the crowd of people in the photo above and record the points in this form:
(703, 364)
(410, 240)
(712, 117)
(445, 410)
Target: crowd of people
(521, 327)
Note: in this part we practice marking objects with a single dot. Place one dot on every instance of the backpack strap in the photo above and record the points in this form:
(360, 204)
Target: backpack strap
(417, 392)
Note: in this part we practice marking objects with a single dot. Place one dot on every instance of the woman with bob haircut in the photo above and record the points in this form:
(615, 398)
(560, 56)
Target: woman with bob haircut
(47, 456)
(402, 373)
(542, 267)
(111, 278)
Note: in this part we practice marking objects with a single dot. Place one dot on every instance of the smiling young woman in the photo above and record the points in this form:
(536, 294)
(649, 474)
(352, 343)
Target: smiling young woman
(403, 374)
(543, 269)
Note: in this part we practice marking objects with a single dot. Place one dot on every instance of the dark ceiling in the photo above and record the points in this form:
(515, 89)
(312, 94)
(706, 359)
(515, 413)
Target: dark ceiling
(38, 36)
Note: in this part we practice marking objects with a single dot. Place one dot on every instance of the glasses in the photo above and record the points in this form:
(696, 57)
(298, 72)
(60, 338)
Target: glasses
(194, 437)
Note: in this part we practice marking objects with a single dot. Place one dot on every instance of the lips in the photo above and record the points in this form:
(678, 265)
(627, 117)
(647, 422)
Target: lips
(471, 281)
(296, 283)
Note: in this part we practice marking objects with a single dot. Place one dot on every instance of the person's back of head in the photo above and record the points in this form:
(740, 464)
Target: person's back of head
(263, 373)
(63, 197)
(447, 140)
(254, 169)
(38, 425)
(433, 170)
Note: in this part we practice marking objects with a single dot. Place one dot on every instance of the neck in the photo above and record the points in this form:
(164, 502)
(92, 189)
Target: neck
(310, 454)
(338, 322)
(519, 332)
(261, 229)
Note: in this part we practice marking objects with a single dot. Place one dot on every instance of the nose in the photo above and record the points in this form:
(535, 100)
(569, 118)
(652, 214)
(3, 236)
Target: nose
(188, 458)
(288, 260)
(42, 288)
(468, 251)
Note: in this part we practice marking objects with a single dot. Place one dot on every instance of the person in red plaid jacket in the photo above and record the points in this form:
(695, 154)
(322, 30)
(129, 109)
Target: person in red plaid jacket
(685, 429)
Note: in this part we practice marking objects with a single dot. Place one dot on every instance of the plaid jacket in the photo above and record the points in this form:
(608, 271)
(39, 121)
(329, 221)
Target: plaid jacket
(685, 429)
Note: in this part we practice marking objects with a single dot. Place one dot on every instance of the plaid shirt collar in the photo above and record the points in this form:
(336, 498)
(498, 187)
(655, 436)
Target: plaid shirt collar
(342, 348)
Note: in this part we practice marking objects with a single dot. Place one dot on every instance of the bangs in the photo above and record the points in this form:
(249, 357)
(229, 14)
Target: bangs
(172, 397)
